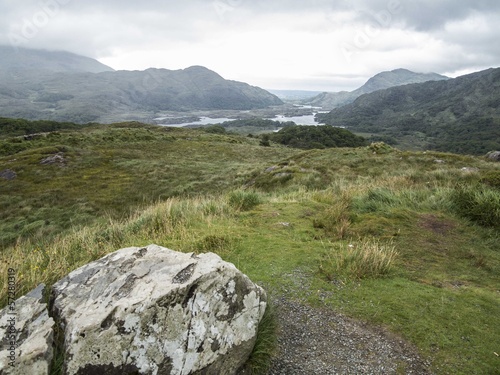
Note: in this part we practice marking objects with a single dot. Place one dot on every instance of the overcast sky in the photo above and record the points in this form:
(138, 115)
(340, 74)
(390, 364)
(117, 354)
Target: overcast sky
(327, 45)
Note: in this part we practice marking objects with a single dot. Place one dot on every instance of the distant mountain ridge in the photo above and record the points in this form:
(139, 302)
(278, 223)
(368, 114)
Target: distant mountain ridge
(383, 80)
(294, 95)
(397, 77)
(460, 115)
(67, 87)
(48, 61)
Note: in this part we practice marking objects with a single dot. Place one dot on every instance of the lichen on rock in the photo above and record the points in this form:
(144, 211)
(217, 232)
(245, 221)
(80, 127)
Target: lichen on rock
(27, 333)
(156, 311)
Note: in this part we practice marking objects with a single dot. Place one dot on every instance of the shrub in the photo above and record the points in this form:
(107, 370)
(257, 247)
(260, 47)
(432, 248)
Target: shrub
(215, 129)
(265, 141)
(380, 148)
(317, 137)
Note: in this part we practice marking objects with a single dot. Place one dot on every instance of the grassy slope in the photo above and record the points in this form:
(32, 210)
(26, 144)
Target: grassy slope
(298, 218)
(111, 170)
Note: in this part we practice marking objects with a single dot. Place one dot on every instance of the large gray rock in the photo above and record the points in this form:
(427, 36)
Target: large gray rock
(27, 333)
(156, 311)
(493, 155)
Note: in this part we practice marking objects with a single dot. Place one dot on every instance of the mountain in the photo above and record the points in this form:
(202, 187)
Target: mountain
(72, 94)
(384, 80)
(460, 115)
(396, 77)
(22, 59)
(294, 95)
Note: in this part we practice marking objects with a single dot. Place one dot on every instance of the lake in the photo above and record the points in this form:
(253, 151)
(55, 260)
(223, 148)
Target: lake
(299, 120)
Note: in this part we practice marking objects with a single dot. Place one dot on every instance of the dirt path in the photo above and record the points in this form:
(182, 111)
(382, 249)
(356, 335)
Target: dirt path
(320, 342)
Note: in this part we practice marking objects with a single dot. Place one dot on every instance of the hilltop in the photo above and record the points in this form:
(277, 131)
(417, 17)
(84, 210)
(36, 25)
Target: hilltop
(383, 80)
(407, 241)
(18, 60)
(459, 115)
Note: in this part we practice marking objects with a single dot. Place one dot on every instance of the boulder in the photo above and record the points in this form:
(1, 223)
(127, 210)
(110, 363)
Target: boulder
(493, 155)
(152, 310)
(27, 333)
(8, 174)
(54, 159)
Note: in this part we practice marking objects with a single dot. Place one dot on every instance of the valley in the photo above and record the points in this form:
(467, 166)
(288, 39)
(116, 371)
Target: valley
(299, 114)
(375, 209)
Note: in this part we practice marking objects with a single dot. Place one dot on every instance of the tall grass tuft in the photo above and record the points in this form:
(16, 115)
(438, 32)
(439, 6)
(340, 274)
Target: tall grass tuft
(219, 244)
(491, 178)
(378, 199)
(244, 200)
(167, 222)
(478, 203)
(265, 345)
(334, 220)
(364, 259)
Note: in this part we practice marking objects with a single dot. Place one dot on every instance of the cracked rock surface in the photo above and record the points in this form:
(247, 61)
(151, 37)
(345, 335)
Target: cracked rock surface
(156, 311)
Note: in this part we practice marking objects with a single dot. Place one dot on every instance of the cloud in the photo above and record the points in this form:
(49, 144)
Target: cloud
(421, 15)
(278, 44)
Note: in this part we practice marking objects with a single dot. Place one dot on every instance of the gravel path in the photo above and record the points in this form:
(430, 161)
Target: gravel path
(320, 342)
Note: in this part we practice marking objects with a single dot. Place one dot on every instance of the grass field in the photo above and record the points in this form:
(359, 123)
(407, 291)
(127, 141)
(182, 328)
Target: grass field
(406, 240)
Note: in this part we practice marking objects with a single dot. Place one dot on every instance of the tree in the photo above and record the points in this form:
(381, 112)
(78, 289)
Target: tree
(265, 140)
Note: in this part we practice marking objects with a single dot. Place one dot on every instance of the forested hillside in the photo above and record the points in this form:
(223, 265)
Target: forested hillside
(460, 115)
(383, 80)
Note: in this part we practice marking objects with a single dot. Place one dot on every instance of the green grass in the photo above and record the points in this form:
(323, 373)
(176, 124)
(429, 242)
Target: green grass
(113, 170)
(366, 259)
(478, 203)
(244, 200)
(419, 264)
(265, 345)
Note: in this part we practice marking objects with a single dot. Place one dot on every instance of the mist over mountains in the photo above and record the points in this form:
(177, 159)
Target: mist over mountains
(23, 59)
(67, 87)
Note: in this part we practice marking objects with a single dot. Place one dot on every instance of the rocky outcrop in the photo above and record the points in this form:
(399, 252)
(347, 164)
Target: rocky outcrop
(145, 310)
(493, 155)
(27, 333)
(54, 159)
(156, 311)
